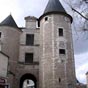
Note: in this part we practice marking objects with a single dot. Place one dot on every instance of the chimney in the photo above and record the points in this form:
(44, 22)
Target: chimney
(31, 22)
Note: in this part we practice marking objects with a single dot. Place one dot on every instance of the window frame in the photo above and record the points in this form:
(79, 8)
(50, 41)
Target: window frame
(60, 32)
(30, 39)
(62, 51)
(27, 58)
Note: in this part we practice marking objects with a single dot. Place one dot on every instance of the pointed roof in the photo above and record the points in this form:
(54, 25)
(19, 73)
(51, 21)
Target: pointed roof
(9, 21)
(55, 7)
(87, 73)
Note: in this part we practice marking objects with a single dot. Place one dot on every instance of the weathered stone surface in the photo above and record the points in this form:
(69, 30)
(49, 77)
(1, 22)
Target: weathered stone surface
(56, 70)
(50, 68)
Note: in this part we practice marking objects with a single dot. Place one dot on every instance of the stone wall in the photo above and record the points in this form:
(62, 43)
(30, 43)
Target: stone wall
(10, 38)
(56, 71)
(29, 49)
(3, 65)
(29, 68)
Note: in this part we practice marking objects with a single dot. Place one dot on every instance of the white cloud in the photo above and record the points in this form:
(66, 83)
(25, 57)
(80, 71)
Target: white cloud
(20, 8)
(81, 61)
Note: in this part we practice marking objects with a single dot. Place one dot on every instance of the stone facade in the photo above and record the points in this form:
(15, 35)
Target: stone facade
(52, 64)
(3, 68)
(56, 70)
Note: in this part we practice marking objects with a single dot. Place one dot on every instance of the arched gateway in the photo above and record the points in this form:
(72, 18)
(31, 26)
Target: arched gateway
(28, 81)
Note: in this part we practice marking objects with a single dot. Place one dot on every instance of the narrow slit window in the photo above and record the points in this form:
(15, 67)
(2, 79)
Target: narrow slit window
(59, 80)
(27, 81)
(62, 51)
(60, 30)
(0, 34)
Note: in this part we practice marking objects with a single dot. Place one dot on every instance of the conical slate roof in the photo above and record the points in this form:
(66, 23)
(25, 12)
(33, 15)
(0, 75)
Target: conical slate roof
(87, 73)
(9, 21)
(54, 6)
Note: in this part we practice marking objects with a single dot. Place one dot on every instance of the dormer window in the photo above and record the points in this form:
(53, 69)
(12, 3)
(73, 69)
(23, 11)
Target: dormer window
(46, 18)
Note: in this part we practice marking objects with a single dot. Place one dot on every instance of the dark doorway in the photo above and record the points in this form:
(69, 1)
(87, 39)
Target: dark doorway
(28, 81)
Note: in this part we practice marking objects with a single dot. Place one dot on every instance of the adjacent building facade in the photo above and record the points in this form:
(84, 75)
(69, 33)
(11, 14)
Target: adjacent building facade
(41, 53)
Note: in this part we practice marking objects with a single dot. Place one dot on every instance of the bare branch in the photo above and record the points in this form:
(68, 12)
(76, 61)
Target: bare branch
(86, 1)
(79, 13)
(76, 10)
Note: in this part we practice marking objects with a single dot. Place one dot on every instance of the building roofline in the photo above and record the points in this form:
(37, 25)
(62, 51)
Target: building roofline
(19, 28)
(55, 12)
(31, 17)
(9, 21)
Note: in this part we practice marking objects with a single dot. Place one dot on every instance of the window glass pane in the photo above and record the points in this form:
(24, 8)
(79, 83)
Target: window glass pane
(0, 34)
(61, 51)
(60, 31)
(29, 39)
(28, 57)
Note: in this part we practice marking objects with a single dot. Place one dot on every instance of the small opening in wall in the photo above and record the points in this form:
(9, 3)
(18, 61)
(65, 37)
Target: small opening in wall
(62, 51)
(28, 57)
(46, 18)
(27, 81)
(60, 30)
(59, 80)
(0, 34)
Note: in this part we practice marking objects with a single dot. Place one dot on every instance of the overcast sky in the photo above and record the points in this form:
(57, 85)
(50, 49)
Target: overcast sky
(22, 8)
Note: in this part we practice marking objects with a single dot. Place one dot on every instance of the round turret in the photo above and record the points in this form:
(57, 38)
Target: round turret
(55, 7)
(56, 49)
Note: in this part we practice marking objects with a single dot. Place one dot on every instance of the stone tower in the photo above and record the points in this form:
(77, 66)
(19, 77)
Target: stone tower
(10, 37)
(57, 69)
(41, 53)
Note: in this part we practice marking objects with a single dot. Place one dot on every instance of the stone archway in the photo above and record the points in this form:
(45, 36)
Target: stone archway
(28, 81)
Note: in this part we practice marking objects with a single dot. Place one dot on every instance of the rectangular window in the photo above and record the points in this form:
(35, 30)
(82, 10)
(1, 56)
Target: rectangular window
(30, 39)
(61, 51)
(60, 30)
(0, 34)
(28, 57)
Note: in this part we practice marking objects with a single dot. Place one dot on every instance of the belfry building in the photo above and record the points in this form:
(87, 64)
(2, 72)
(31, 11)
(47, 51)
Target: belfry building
(40, 54)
